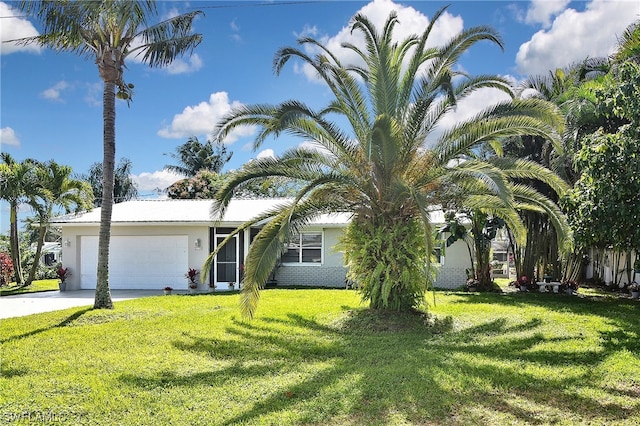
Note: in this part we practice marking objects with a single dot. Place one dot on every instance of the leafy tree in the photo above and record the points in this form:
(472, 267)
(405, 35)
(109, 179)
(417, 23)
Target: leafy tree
(110, 31)
(604, 205)
(62, 192)
(268, 187)
(203, 185)
(569, 89)
(17, 185)
(381, 167)
(193, 157)
(124, 188)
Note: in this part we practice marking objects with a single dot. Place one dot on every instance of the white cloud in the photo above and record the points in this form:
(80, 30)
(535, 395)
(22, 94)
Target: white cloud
(181, 66)
(307, 31)
(15, 28)
(575, 36)
(235, 34)
(316, 147)
(201, 119)
(8, 137)
(467, 108)
(93, 96)
(171, 13)
(267, 153)
(541, 11)
(411, 22)
(154, 181)
(53, 93)
(234, 25)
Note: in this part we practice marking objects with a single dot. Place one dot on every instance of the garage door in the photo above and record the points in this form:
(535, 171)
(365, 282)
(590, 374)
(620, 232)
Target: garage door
(138, 262)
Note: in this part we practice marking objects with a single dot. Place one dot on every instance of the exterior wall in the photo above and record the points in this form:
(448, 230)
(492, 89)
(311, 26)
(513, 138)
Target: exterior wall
(313, 276)
(71, 250)
(452, 273)
(331, 273)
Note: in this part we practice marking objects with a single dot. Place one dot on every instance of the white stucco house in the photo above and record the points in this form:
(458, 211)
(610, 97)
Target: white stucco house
(155, 242)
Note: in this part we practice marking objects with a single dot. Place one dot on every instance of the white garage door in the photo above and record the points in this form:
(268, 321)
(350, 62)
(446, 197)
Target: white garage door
(138, 262)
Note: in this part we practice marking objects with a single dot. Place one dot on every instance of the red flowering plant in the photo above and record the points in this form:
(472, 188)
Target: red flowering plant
(63, 273)
(191, 275)
(569, 286)
(523, 282)
(6, 269)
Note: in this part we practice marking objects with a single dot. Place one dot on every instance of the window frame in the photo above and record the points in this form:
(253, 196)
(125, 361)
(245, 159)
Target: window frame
(301, 250)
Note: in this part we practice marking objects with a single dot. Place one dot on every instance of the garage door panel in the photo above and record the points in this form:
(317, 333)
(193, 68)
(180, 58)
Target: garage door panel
(138, 262)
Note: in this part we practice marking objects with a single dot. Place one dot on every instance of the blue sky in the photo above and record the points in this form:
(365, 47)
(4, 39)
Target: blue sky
(51, 103)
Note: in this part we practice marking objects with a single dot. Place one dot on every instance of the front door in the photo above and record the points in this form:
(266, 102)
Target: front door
(227, 263)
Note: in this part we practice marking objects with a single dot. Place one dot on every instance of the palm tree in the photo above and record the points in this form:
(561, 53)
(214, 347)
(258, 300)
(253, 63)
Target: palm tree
(62, 192)
(572, 89)
(110, 32)
(390, 166)
(17, 186)
(193, 157)
(124, 188)
(629, 44)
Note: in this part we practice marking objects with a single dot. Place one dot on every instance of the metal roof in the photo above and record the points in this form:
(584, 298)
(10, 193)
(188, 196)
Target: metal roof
(185, 212)
(188, 212)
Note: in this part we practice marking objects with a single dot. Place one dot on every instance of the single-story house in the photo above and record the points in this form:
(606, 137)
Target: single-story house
(155, 242)
(50, 254)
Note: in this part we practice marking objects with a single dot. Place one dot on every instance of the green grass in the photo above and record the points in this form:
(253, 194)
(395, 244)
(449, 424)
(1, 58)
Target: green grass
(35, 287)
(320, 357)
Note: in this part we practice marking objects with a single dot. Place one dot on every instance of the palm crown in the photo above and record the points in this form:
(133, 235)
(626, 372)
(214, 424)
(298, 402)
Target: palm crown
(390, 167)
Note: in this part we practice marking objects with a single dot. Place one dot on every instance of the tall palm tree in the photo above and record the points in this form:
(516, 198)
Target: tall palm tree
(194, 156)
(389, 167)
(572, 90)
(61, 192)
(17, 186)
(110, 31)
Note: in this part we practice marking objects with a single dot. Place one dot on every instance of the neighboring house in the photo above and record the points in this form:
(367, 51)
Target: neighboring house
(155, 242)
(51, 253)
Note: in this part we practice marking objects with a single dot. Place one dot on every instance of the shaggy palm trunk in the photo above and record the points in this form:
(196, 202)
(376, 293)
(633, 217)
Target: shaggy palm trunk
(15, 244)
(387, 260)
(103, 293)
(482, 245)
(530, 253)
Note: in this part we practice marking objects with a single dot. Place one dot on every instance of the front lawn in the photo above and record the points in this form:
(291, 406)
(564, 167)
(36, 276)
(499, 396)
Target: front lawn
(319, 357)
(35, 287)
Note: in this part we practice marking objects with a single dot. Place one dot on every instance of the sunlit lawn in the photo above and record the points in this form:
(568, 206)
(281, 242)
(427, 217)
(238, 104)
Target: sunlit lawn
(319, 357)
(36, 286)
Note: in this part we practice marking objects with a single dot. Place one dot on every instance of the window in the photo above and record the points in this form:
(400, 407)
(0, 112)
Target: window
(304, 248)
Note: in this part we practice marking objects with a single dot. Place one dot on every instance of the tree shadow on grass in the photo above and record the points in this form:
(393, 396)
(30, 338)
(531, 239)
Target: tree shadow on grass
(65, 322)
(11, 372)
(368, 374)
(623, 314)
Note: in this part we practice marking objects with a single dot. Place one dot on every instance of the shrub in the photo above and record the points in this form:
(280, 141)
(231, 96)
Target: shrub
(6, 269)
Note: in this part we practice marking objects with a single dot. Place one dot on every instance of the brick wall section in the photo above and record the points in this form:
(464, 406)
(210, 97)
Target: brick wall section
(327, 276)
(313, 276)
(451, 278)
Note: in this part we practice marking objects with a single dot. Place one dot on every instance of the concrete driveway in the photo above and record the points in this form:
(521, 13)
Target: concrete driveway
(32, 303)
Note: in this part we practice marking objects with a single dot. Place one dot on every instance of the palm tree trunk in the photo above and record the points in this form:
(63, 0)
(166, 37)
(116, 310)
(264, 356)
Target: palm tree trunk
(15, 244)
(103, 293)
(42, 232)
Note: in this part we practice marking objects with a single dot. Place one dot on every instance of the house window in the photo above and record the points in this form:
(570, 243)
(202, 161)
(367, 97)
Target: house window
(304, 248)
